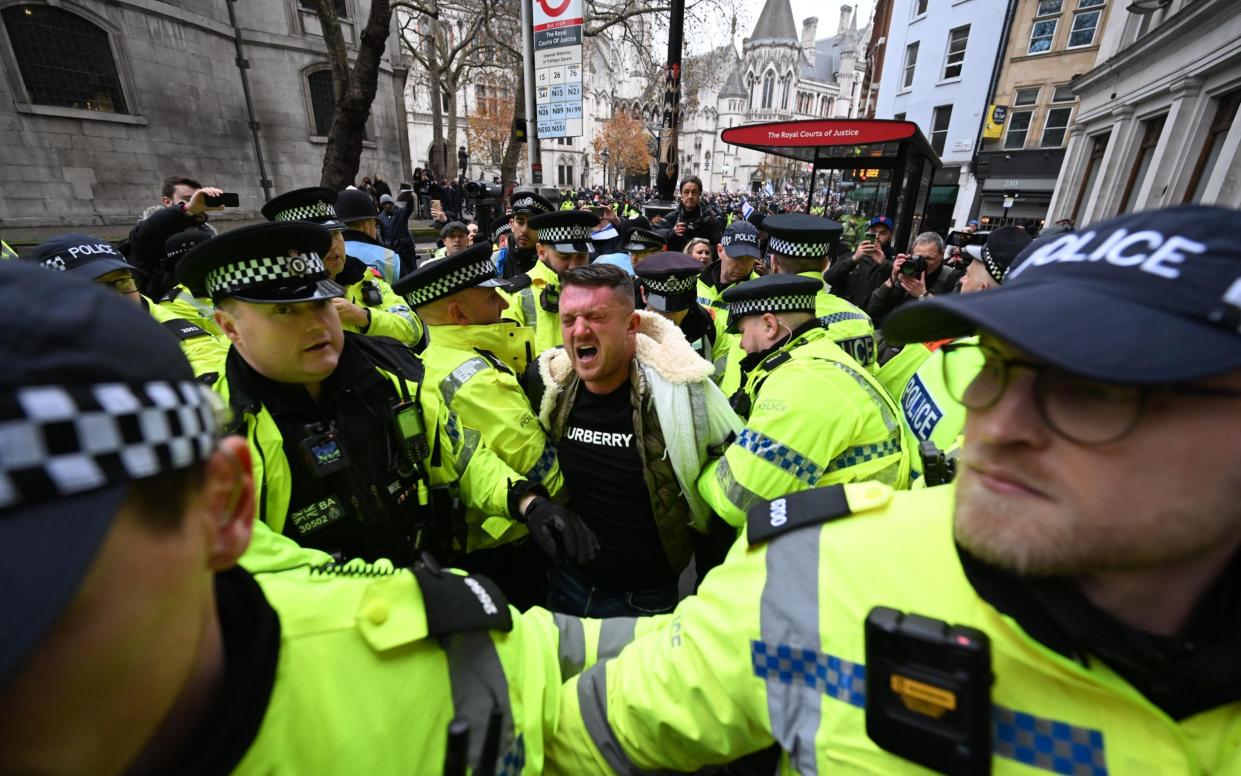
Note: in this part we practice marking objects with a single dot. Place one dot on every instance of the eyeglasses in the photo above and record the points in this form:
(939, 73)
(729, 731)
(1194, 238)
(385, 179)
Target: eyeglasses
(125, 285)
(1080, 410)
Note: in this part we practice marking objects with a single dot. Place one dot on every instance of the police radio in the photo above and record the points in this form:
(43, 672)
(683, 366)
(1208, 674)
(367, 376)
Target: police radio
(928, 691)
(371, 296)
(937, 467)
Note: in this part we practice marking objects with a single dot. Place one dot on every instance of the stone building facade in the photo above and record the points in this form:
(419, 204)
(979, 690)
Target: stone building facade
(100, 100)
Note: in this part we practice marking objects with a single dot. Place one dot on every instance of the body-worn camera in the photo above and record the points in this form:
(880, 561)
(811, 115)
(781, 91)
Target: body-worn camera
(914, 266)
(928, 691)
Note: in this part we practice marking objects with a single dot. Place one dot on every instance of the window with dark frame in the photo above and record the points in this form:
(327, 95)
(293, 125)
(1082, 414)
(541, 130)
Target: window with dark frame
(323, 103)
(1098, 148)
(941, 117)
(342, 9)
(65, 61)
(911, 64)
(958, 40)
(1151, 130)
(1225, 114)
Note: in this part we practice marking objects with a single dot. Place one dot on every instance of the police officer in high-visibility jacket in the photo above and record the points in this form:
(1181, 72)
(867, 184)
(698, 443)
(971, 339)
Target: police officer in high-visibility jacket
(929, 411)
(1091, 548)
(369, 305)
(814, 416)
(352, 453)
(472, 359)
(521, 256)
(667, 282)
(134, 643)
(562, 239)
(94, 259)
(800, 244)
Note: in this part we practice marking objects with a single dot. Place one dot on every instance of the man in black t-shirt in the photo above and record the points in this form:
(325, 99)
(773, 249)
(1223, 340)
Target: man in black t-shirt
(607, 407)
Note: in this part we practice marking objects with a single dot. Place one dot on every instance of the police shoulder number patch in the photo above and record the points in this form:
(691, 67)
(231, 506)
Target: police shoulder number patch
(456, 603)
(812, 507)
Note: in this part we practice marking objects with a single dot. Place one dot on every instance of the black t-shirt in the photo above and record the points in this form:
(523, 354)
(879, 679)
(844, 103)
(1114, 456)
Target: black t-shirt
(603, 472)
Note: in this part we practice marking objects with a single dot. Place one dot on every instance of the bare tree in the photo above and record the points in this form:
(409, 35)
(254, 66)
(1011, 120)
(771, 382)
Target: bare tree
(353, 88)
(427, 32)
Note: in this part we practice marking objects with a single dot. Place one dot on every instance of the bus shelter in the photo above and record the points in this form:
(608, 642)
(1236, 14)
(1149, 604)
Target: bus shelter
(885, 165)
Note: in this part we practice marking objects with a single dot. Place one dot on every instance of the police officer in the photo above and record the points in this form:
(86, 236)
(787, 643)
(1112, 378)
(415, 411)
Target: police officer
(667, 282)
(642, 243)
(735, 257)
(91, 258)
(123, 514)
(6, 251)
(562, 239)
(814, 416)
(1093, 537)
(352, 453)
(928, 410)
(522, 255)
(357, 210)
(369, 305)
(178, 301)
(800, 244)
(472, 359)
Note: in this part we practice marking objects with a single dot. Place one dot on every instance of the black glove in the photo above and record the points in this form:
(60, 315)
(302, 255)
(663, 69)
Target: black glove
(559, 532)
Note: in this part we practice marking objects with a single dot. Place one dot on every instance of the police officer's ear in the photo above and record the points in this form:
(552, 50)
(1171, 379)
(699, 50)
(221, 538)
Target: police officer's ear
(225, 319)
(456, 314)
(228, 503)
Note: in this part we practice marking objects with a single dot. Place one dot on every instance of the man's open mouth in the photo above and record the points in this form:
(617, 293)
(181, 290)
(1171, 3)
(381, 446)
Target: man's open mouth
(317, 348)
(587, 352)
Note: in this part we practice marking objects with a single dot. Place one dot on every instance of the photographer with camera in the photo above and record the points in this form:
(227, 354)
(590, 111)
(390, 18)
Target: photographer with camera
(694, 217)
(855, 280)
(185, 205)
(916, 275)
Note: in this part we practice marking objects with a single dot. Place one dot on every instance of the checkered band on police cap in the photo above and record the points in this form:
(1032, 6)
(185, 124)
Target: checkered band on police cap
(312, 212)
(809, 250)
(530, 204)
(789, 303)
(671, 286)
(231, 278)
(564, 234)
(55, 263)
(459, 279)
(59, 441)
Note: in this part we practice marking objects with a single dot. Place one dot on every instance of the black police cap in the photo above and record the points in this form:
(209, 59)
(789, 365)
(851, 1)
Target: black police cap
(643, 240)
(78, 254)
(263, 263)
(670, 279)
(770, 294)
(470, 268)
(180, 243)
(530, 203)
(316, 204)
(355, 205)
(567, 231)
(801, 235)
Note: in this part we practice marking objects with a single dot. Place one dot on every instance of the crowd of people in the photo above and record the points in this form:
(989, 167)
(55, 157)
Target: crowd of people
(587, 492)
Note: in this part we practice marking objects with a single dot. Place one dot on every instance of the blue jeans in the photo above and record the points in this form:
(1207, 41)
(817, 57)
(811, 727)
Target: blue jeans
(571, 593)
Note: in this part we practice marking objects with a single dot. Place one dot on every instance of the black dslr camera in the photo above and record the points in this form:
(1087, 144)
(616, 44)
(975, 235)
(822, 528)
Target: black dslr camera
(914, 266)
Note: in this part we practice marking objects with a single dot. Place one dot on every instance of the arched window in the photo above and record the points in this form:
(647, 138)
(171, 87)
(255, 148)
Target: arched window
(769, 87)
(323, 103)
(784, 97)
(64, 60)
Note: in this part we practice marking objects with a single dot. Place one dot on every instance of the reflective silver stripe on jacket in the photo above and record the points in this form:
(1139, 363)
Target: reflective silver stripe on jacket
(615, 633)
(460, 376)
(479, 688)
(789, 615)
(528, 310)
(468, 446)
(737, 494)
(572, 650)
(592, 698)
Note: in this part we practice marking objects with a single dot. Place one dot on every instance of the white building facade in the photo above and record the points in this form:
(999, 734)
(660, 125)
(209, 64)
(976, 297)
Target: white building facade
(1156, 124)
(939, 59)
